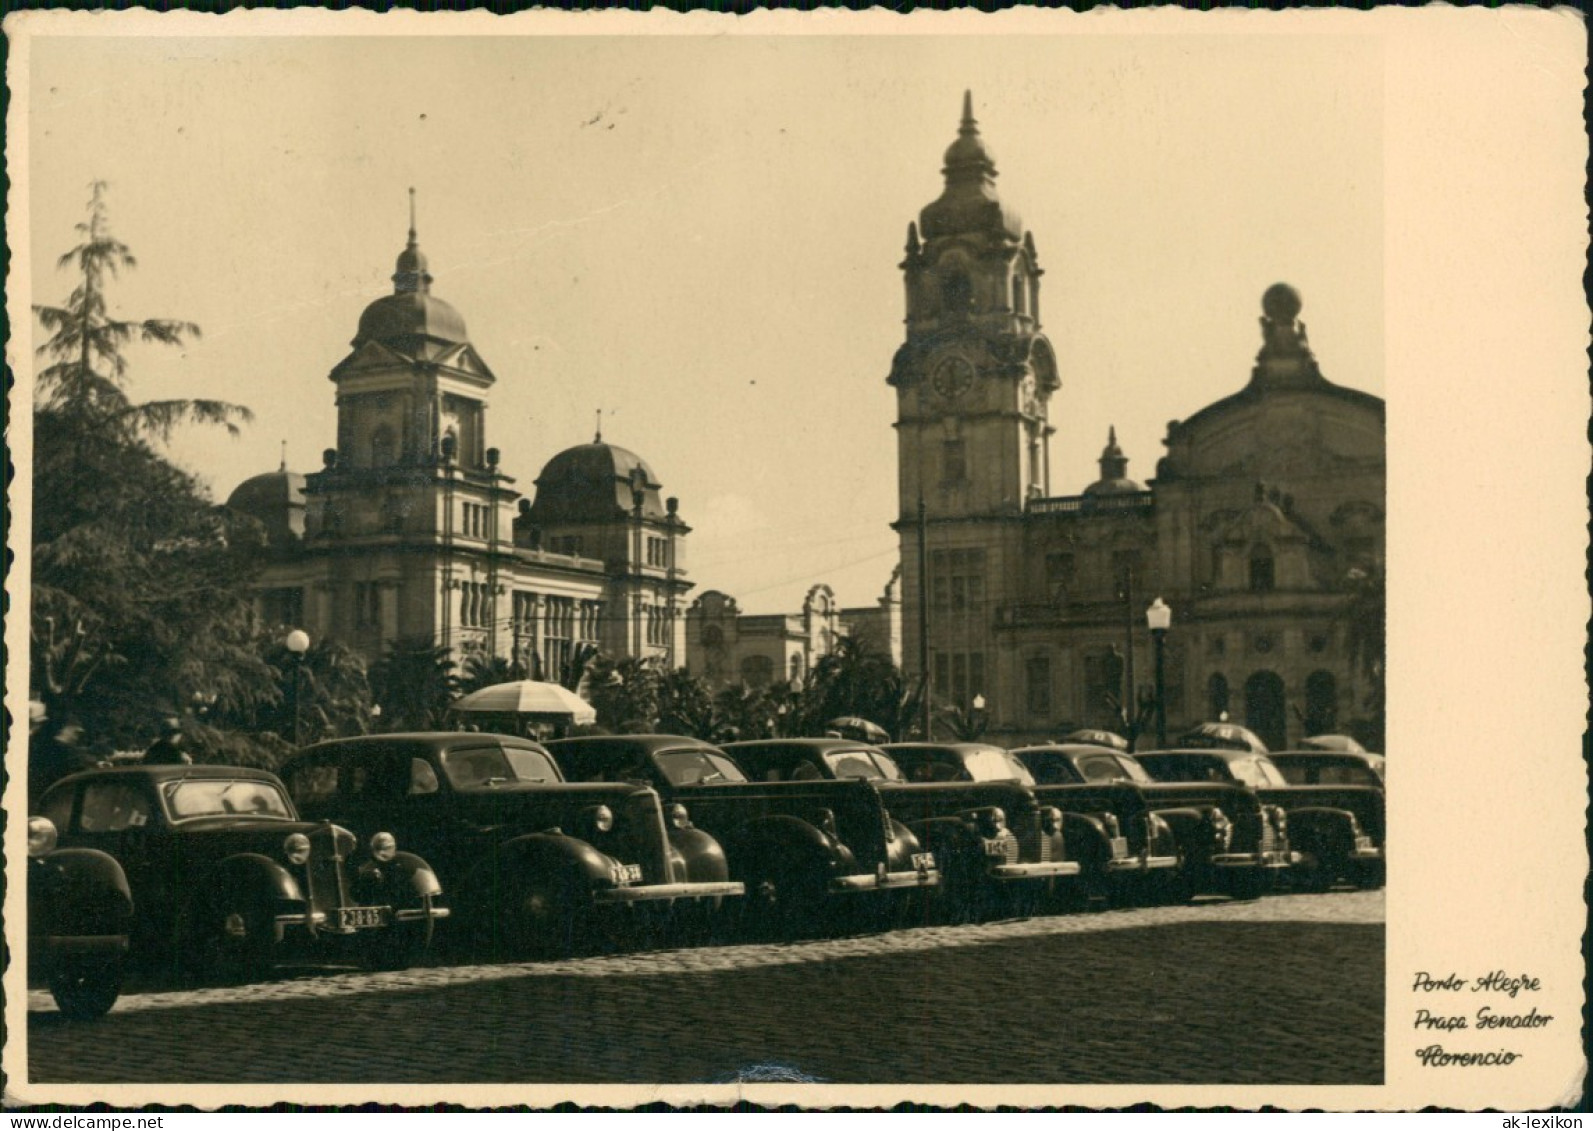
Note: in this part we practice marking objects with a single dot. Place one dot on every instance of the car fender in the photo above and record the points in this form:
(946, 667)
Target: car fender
(1087, 839)
(403, 879)
(704, 856)
(785, 842)
(78, 891)
(1321, 831)
(903, 846)
(953, 843)
(1191, 827)
(253, 876)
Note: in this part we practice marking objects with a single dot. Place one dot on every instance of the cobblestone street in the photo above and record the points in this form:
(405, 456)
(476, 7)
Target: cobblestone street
(1288, 989)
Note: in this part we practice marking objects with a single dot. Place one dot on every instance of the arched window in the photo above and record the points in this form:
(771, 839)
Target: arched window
(1217, 696)
(1321, 703)
(956, 294)
(1018, 295)
(1262, 575)
(1264, 709)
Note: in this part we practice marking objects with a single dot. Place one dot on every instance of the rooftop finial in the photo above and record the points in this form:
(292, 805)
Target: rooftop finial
(284, 466)
(599, 438)
(411, 213)
(968, 122)
(1111, 435)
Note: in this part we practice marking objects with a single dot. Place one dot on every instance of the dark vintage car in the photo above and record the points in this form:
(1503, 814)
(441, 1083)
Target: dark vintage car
(797, 845)
(80, 912)
(1109, 834)
(1321, 767)
(537, 862)
(226, 877)
(1335, 830)
(999, 849)
(1225, 840)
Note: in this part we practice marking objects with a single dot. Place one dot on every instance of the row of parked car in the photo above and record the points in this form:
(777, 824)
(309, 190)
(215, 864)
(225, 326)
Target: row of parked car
(229, 870)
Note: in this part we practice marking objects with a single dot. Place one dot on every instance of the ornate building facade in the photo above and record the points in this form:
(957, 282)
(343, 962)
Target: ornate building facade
(1265, 507)
(412, 531)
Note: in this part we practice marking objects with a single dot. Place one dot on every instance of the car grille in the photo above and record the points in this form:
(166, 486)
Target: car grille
(1269, 835)
(323, 871)
(642, 820)
(1033, 846)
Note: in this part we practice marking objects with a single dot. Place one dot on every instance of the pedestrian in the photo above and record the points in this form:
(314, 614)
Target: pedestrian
(167, 750)
(53, 753)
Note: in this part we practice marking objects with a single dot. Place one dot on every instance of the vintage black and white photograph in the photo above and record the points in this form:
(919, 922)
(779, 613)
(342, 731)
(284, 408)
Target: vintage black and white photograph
(567, 554)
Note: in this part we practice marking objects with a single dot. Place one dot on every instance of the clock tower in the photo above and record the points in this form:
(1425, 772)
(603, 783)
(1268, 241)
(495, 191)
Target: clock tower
(973, 384)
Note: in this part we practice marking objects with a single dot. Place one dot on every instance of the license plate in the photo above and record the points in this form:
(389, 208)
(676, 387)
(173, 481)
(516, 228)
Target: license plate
(360, 918)
(923, 862)
(1119, 847)
(996, 848)
(629, 874)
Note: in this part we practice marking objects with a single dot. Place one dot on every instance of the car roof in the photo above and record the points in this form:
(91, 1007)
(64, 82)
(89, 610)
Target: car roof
(819, 744)
(931, 747)
(432, 740)
(174, 770)
(647, 742)
(1069, 748)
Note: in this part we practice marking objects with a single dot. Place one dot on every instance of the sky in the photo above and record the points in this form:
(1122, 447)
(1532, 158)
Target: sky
(700, 237)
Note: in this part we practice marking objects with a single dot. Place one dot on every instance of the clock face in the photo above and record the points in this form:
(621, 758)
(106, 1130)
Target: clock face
(953, 376)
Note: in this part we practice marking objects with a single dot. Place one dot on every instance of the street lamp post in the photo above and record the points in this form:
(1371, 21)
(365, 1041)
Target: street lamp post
(1159, 618)
(978, 716)
(297, 643)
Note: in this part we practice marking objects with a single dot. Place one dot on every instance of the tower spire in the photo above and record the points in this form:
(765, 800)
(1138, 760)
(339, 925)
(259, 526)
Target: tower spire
(284, 466)
(411, 274)
(598, 439)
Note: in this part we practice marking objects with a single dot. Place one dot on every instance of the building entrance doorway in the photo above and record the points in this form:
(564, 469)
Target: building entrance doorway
(1264, 709)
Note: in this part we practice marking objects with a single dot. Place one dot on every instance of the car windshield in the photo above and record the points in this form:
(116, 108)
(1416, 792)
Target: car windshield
(696, 767)
(483, 767)
(862, 764)
(1257, 771)
(1110, 767)
(989, 763)
(1186, 767)
(216, 797)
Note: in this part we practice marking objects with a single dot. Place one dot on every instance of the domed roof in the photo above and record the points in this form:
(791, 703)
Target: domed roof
(593, 483)
(411, 311)
(407, 314)
(276, 500)
(969, 202)
(269, 492)
(1114, 478)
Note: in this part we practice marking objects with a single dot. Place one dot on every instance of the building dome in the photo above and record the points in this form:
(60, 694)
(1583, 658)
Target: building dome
(1114, 478)
(594, 483)
(276, 500)
(410, 314)
(411, 311)
(969, 202)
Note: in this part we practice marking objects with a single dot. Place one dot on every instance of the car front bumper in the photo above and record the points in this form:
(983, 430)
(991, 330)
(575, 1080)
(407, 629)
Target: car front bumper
(884, 881)
(1236, 860)
(1040, 871)
(1131, 864)
(648, 893)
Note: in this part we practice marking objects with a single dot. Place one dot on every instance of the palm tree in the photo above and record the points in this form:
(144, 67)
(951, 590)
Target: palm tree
(414, 683)
(482, 670)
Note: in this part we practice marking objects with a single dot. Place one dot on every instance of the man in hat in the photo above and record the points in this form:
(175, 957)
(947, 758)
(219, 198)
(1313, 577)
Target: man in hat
(168, 748)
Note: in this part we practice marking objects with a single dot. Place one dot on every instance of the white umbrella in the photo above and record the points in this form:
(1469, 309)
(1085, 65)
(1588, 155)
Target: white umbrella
(527, 697)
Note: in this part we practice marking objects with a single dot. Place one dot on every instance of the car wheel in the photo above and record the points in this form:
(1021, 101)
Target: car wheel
(401, 945)
(84, 991)
(242, 944)
(1248, 883)
(784, 902)
(547, 921)
(1313, 873)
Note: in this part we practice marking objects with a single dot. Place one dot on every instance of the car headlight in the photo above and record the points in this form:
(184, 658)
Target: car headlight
(384, 846)
(296, 847)
(602, 818)
(992, 821)
(41, 836)
(1222, 829)
(678, 817)
(1050, 820)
